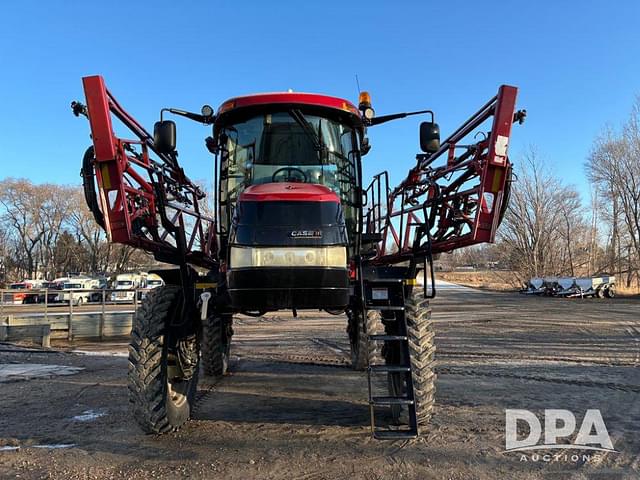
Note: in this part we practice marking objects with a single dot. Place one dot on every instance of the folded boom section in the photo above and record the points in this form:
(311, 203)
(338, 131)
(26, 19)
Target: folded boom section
(146, 203)
(441, 208)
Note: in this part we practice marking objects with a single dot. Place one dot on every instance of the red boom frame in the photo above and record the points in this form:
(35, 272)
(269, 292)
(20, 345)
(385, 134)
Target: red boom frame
(152, 205)
(438, 209)
(145, 203)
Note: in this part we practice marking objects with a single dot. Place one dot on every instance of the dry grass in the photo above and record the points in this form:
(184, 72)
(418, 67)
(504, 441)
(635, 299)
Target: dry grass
(485, 279)
(627, 291)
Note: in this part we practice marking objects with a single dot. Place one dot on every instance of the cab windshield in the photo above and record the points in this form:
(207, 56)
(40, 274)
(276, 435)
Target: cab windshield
(289, 146)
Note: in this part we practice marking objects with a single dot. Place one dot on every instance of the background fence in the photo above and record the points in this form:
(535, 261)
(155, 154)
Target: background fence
(43, 314)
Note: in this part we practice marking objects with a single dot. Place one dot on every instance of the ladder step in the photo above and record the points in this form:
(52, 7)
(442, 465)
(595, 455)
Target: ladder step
(389, 368)
(384, 307)
(387, 338)
(394, 434)
(390, 401)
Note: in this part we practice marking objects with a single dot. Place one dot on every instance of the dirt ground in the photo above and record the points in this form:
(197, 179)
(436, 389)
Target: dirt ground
(293, 409)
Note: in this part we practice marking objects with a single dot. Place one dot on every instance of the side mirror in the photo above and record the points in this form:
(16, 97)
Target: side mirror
(429, 137)
(365, 146)
(164, 136)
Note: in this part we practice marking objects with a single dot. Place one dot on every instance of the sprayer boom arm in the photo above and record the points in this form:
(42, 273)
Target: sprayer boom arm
(148, 204)
(152, 205)
(441, 208)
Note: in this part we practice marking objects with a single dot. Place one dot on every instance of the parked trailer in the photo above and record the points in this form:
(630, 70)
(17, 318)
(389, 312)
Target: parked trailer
(565, 286)
(600, 287)
(535, 286)
(597, 286)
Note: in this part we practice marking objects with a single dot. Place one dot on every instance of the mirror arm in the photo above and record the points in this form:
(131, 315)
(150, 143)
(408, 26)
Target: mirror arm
(395, 116)
(207, 120)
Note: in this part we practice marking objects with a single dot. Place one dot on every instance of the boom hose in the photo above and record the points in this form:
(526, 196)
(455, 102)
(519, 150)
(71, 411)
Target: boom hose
(87, 173)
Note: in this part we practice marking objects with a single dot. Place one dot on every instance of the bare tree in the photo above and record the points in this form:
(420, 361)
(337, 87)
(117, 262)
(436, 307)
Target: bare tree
(90, 234)
(55, 210)
(68, 255)
(572, 227)
(22, 211)
(48, 230)
(5, 255)
(542, 223)
(614, 168)
(36, 216)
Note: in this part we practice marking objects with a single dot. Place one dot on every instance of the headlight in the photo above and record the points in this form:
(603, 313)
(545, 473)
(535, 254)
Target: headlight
(243, 257)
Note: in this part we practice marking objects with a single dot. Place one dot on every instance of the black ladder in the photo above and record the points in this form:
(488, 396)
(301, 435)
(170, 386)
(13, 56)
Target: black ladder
(393, 301)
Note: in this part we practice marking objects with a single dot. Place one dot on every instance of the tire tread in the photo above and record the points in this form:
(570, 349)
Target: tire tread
(146, 382)
(422, 355)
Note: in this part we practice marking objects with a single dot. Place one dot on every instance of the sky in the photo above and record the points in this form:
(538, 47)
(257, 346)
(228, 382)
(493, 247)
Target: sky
(576, 63)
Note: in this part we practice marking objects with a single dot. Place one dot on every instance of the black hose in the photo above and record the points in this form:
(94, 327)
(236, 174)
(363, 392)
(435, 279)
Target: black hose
(506, 196)
(88, 184)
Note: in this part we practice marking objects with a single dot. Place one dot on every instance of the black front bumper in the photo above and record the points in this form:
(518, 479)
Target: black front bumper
(278, 288)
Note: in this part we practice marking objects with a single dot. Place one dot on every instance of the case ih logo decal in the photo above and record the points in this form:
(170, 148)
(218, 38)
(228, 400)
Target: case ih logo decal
(306, 234)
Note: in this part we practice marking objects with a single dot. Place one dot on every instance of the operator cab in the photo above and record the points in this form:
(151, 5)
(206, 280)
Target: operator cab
(289, 199)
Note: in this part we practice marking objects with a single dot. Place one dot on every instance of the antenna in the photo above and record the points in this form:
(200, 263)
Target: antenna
(358, 83)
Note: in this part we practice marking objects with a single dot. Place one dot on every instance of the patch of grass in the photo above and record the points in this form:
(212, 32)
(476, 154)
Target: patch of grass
(485, 279)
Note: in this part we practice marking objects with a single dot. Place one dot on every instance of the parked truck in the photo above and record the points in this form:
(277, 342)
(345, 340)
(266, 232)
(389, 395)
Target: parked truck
(151, 281)
(125, 285)
(23, 293)
(78, 290)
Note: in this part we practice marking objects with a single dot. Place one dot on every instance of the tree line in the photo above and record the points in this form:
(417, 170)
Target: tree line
(548, 230)
(46, 231)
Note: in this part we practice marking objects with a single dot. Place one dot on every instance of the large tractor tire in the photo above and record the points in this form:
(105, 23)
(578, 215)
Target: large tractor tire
(216, 344)
(163, 369)
(359, 327)
(422, 350)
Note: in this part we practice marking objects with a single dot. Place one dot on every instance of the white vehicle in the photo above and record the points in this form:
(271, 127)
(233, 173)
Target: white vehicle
(154, 281)
(60, 281)
(127, 282)
(77, 290)
(150, 281)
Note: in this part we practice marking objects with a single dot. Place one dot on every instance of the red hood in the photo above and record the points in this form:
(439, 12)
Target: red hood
(289, 192)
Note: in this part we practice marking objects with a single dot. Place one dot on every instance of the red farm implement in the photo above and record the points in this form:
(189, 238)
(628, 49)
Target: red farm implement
(292, 228)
